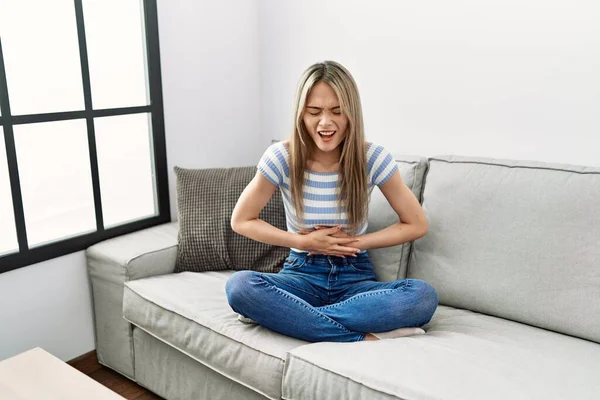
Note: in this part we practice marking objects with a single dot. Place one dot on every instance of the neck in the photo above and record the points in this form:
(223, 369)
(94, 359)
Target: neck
(327, 158)
(324, 162)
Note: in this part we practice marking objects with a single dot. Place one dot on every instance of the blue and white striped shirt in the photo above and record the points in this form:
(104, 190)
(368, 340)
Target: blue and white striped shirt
(321, 189)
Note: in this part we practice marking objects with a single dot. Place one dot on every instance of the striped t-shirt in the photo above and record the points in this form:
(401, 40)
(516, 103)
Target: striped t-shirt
(321, 189)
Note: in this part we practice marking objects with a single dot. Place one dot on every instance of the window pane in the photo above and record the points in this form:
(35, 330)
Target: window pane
(115, 39)
(125, 163)
(54, 168)
(41, 54)
(8, 233)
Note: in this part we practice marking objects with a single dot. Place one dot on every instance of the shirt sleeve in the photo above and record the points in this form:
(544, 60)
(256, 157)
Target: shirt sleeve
(272, 164)
(381, 165)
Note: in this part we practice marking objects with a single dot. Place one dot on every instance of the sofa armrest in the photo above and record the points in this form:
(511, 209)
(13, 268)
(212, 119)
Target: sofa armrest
(110, 264)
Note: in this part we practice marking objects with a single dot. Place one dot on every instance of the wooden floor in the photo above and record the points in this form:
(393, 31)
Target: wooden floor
(88, 364)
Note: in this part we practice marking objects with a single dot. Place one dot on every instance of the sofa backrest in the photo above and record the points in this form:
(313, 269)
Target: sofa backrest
(517, 240)
(390, 263)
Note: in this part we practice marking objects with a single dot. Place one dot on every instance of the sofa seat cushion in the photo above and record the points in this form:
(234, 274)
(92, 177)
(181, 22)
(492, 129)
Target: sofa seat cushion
(464, 355)
(189, 311)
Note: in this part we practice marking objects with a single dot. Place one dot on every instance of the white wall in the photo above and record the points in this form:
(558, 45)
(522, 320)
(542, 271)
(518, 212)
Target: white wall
(506, 79)
(210, 70)
(47, 305)
(210, 73)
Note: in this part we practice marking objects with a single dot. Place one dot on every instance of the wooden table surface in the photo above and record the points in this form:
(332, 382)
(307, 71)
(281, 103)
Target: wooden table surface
(37, 374)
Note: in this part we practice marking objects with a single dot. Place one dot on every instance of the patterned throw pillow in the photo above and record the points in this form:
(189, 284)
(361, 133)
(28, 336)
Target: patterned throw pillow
(205, 201)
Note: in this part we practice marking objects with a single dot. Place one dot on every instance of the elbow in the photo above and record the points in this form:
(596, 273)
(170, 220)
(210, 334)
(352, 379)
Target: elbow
(239, 225)
(237, 220)
(235, 225)
(422, 229)
(423, 225)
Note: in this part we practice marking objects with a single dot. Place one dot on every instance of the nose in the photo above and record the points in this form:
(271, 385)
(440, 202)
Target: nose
(325, 119)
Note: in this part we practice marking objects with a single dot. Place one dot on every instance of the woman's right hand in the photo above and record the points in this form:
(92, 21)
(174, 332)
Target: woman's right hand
(323, 241)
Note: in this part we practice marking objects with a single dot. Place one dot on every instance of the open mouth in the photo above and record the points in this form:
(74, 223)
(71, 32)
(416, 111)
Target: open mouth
(326, 135)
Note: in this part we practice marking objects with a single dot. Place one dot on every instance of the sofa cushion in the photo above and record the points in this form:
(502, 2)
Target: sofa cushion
(463, 356)
(173, 375)
(514, 239)
(189, 311)
(390, 263)
(205, 202)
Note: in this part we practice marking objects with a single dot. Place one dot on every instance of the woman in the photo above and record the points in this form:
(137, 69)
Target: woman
(327, 290)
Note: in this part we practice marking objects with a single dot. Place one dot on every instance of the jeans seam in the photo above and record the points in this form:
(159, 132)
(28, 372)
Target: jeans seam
(362, 295)
(298, 288)
(311, 309)
(351, 264)
(293, 267)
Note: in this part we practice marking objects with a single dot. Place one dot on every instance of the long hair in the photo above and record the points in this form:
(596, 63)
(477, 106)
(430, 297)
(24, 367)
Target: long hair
(354, 193)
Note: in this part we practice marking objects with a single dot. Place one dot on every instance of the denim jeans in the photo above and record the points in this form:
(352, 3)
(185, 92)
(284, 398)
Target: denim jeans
(327, 298)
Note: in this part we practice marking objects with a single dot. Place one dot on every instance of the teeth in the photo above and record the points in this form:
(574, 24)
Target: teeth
(326, 133)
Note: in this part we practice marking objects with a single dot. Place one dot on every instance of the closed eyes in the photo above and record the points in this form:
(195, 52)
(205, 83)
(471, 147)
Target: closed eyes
(313, 110)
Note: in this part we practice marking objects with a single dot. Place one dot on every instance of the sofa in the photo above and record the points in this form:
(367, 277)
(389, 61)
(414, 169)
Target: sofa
(513, 250)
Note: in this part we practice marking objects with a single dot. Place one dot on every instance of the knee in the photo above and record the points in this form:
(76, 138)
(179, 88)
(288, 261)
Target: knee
(428, 297)
(238, 285)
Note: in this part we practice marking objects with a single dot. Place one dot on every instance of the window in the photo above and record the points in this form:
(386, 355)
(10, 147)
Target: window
(82, 146)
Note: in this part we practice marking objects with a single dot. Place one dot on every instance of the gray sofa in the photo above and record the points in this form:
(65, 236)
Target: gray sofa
(513, 250)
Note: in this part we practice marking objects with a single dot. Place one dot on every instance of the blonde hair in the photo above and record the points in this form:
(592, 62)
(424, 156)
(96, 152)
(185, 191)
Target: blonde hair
(353, 161)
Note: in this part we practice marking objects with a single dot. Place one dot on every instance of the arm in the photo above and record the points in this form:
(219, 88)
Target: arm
(245, 221)
(413, 223)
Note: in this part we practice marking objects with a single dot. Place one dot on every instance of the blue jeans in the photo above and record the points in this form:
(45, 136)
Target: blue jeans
(326, 298)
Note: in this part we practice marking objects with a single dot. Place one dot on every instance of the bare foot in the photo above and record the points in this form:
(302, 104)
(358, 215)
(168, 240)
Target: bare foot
(369, 336)
(398, 333)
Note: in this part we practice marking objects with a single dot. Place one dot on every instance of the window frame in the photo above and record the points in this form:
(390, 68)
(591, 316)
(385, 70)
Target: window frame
(26, 256)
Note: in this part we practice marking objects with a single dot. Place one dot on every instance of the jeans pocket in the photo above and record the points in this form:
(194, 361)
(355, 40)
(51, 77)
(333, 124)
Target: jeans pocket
(361, 266)
(294, 263)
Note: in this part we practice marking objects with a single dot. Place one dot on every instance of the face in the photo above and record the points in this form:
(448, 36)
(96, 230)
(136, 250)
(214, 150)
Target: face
(323, 117)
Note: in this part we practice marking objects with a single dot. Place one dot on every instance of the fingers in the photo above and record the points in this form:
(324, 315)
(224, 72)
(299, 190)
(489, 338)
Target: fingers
(331, 253)
(331, 230)
(345, 240)
(346, 250)
(339, 251)
(336, 250)
(318, 227)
